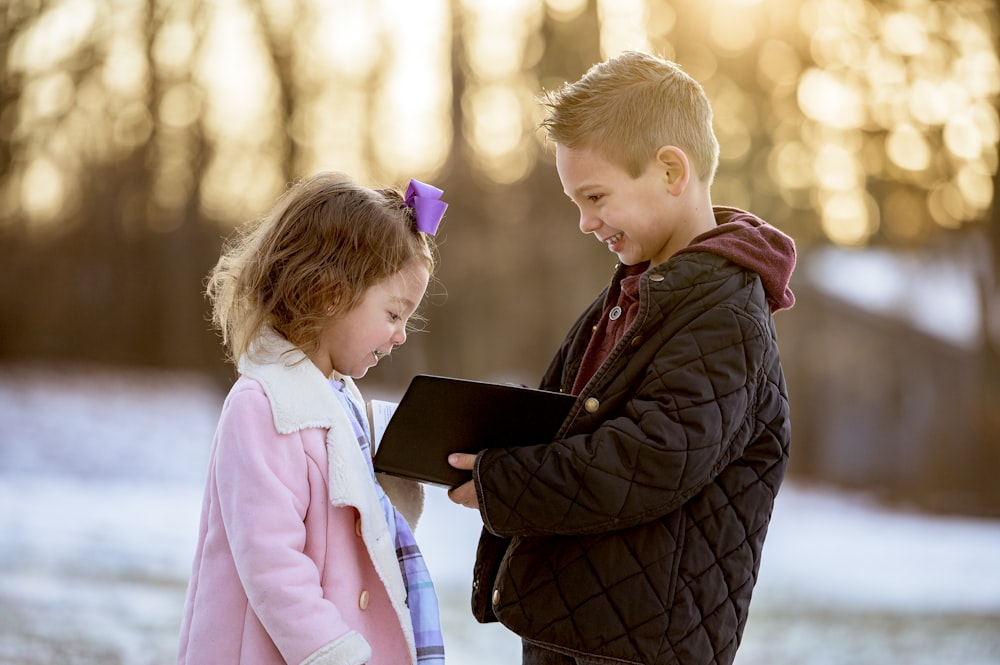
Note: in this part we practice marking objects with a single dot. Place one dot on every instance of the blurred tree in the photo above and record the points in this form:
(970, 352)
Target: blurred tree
(515, 269)
(103, 238)
(133, 136)
(854, 122)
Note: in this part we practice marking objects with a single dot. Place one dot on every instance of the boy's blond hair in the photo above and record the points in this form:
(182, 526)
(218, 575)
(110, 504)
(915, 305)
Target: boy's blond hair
(323, 244)
(630, 106)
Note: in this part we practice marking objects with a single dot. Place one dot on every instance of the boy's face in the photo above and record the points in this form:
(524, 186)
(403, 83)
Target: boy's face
(634, 217)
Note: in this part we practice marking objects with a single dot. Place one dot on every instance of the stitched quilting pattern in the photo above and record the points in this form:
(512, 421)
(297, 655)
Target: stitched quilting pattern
(637, 535)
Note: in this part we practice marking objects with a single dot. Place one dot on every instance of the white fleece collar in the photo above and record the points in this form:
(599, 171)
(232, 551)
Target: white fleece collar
(300, 395)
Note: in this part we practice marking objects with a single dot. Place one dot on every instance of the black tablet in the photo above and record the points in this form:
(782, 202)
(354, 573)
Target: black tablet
(440, 415)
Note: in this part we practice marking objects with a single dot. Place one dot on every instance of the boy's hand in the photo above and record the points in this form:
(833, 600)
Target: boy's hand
(464, 494)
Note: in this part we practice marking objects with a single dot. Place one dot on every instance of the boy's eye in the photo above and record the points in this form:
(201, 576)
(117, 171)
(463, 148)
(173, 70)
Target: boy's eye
(594, 198)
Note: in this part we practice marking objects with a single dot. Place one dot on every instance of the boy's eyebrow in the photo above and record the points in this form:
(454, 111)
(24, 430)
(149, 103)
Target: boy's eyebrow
(581, 190)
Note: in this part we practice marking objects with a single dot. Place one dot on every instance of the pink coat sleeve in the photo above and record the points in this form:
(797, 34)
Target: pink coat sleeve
(263, 496)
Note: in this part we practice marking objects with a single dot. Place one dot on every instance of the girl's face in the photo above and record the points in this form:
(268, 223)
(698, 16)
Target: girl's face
(352, 343)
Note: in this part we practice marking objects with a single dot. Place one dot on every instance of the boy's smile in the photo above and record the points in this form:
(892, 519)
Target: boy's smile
(635, 217)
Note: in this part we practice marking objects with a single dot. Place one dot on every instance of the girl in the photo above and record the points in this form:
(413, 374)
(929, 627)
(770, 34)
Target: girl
(301, 557)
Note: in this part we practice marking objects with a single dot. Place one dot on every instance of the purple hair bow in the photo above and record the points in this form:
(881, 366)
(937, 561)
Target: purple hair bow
(428, 208)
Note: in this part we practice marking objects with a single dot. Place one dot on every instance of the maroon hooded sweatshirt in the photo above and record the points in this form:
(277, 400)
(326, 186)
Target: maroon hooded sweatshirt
(739, 236)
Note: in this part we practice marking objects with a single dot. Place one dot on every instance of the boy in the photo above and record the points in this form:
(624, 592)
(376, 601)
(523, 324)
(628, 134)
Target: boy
(636, 535)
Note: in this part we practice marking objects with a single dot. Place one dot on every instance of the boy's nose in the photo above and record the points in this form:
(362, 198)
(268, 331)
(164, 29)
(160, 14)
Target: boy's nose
(589, 223)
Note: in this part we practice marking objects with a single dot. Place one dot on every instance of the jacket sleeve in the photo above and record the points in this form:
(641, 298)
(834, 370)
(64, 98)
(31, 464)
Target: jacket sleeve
(263, 493)
(690, 413)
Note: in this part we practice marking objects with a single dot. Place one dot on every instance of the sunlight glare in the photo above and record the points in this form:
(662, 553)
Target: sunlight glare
(731, 29)
(347, 38)
(824, 97)
(979, 73)
(790, 165)
(48, 96)
(623, 26)
(233, 70)
(412, 118)
(661, 19)
(735, 118)
(497, 131)
(851, 15)
(962, 137)
(132, 126)
(837, 168)
(496, 41)
(499, 91)
(415, 128)
(904, 33)
(933, 102)
(849, 217)
(124, 69)
(43, 191)
(565, 10)
(173, 48)
(907, 147)
(778, 64)
(946, 206)
(333, 138)
(55, 36)
(181, 106)
(976, 186)
(234, 187)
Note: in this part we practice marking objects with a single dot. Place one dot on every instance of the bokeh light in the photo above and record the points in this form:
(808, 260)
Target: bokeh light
(819, 103)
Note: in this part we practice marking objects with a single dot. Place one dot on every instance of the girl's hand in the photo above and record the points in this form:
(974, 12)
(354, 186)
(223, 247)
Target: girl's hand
(464, 494)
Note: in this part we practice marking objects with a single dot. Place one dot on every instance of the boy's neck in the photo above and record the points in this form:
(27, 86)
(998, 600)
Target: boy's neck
(698, 218)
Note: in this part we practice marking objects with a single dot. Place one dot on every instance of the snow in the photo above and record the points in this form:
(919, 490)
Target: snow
(935, 295)
(100, 490)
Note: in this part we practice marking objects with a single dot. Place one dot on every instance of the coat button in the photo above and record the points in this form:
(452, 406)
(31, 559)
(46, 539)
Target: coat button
(636, 341)
(615, 312)
(496, 596)
(656, 277)
(363, 600)
(592, 404)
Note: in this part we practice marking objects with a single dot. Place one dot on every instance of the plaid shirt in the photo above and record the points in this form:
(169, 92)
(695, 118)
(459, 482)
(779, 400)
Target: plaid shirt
(420, 596)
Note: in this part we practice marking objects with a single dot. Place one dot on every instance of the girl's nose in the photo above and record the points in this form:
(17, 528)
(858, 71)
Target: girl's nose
(400, 337)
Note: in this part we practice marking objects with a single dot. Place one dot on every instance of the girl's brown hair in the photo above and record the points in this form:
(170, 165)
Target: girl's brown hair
(324, 243)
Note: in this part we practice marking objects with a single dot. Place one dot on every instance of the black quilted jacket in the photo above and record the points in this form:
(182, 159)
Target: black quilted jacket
(636, 535)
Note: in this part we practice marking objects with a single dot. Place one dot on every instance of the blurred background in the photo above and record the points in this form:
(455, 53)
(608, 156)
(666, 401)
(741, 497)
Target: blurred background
(136, 135)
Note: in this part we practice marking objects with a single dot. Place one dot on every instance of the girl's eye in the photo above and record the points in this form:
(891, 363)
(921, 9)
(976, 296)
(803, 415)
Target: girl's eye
(394, 317)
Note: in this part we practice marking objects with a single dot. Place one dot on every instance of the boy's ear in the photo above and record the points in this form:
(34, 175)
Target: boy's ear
(676, 167)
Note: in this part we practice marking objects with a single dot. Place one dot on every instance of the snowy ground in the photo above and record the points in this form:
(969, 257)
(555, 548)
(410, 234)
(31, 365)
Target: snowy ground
(100, 488)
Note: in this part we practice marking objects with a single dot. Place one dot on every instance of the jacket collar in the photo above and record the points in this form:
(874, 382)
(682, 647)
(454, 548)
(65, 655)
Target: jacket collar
(300, 395)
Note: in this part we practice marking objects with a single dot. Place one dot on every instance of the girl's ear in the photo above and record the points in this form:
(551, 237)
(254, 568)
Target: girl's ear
(334, 301)
(676, 168)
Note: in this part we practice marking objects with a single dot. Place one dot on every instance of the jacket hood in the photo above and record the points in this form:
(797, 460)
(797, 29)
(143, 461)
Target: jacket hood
(752, 243)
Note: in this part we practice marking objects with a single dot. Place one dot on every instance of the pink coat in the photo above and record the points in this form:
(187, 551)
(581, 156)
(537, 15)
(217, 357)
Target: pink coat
(294, 562)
